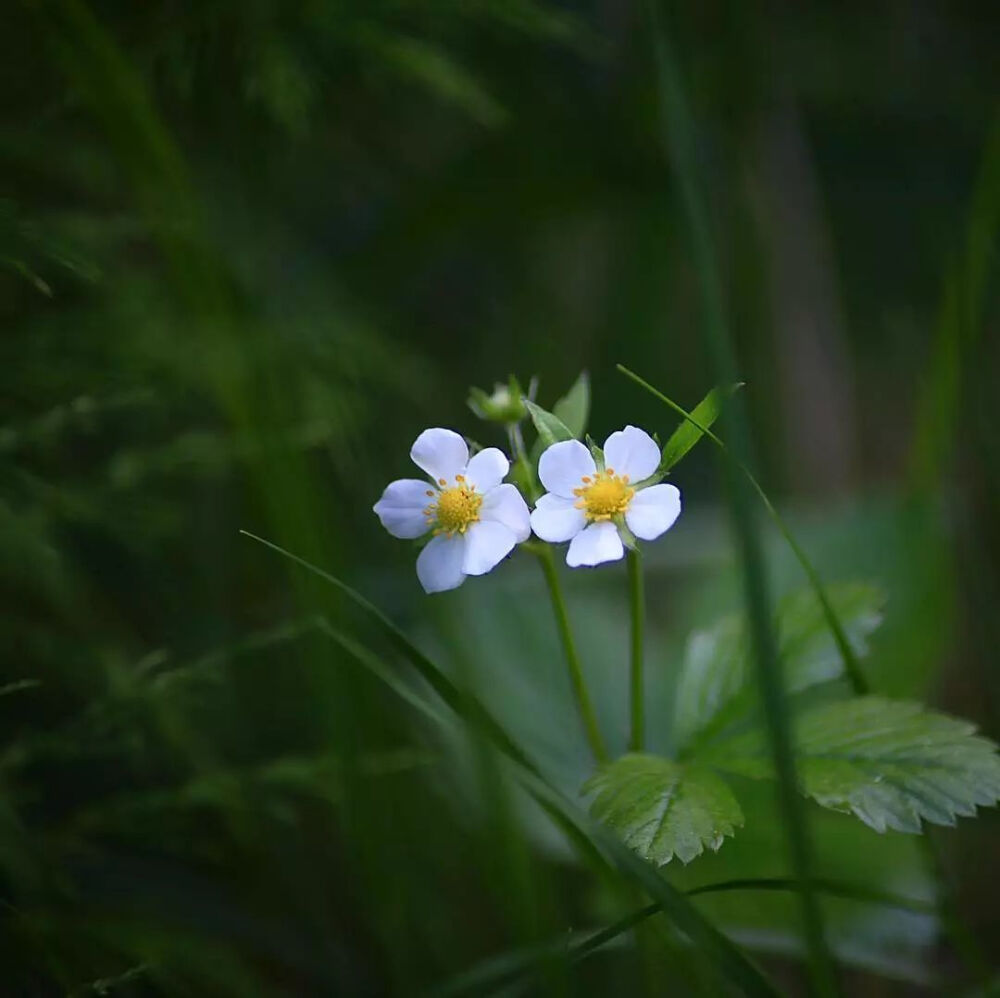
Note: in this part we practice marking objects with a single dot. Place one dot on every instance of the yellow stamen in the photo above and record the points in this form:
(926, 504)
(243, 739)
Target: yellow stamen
(456, 509)
(605, 497)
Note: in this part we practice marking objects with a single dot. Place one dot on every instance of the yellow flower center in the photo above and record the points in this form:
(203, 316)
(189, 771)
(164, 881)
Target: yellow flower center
(456, 508)
(604, 495)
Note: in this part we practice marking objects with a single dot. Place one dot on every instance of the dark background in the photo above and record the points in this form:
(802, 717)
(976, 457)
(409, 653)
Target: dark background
(249, 250)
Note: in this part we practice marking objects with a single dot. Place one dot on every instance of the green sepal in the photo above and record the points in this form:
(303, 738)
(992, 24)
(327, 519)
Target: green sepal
(596, 452)
(628, 538)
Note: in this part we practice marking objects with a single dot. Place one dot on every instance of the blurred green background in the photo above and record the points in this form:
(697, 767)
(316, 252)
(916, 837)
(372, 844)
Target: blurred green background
(248, 251)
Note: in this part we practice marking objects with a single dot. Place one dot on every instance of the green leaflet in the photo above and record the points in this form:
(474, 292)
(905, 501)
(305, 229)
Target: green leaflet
(715, 686)
(705, 413)
(551, 429)
(890, 763)
(573, 409)
(663, 809)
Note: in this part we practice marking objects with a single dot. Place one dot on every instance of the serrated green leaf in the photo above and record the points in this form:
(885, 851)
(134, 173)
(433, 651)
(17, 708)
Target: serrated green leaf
(705, 413)
(715, 686)
(662, 808)
(890, 763)
(573, 409)
(551, 429)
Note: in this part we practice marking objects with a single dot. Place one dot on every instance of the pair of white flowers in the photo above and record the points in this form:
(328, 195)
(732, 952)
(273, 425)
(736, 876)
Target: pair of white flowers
(476, 519)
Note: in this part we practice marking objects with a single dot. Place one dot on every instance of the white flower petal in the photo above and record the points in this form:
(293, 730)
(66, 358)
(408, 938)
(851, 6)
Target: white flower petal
(563, 465)
(401, 508)
(487, 469)
(631, 452)
(598, 543)
(439, 566)
(555, 519)
(506, 505)
(653, 511)
(441, 453)
(487, 543)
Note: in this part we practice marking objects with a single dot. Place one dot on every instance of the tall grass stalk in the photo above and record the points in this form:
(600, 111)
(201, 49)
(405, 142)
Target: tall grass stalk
(680, 142)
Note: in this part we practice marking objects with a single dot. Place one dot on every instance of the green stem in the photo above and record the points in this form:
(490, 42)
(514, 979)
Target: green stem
(583, 701)
(544, 554)
(520, 453)
(852, 666)
(637, 610)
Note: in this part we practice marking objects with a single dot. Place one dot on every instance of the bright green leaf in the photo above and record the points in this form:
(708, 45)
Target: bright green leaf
(716, 680)
(890, 763)
(663, 809)
(573, 409)
(705, 413)
(551, 429)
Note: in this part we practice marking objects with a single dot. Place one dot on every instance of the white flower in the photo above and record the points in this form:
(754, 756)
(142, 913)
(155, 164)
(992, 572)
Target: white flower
(585, 505)
(475, 520)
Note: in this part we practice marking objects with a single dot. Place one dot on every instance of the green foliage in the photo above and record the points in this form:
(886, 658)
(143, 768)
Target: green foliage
(246, 253)
(551, 429)
(505, 404)
(573, 409)
(687, 434)
(728, 962)
(890, 763)
(715, 686)
(662, 808)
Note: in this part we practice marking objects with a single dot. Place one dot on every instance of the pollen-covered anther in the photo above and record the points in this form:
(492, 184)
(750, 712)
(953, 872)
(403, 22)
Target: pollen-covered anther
(604, 496)
(456, 509)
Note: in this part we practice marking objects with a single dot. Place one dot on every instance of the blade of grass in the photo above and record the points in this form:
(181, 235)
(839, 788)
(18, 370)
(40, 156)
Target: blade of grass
(370, 661)
(509, 969)
(436, 679)
(823, 885)
(959, 329)
(728, 960)
(959, 326)
(852, 667)
(679, 140)
(690, 431)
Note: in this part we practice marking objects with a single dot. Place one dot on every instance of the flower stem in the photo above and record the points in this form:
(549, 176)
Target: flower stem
(637, 609)
(517, 447)
(583, 701)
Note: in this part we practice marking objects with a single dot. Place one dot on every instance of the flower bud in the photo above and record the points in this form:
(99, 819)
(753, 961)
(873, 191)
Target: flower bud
(504, 405)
